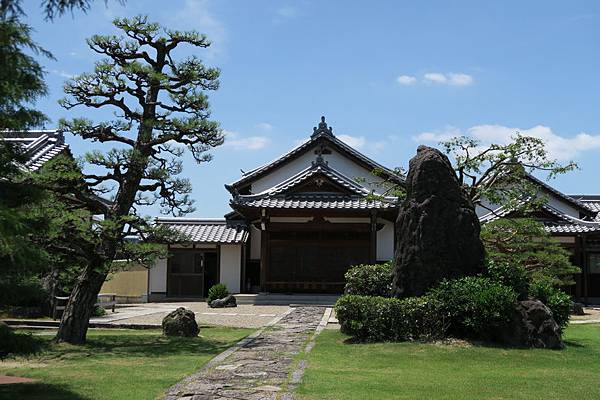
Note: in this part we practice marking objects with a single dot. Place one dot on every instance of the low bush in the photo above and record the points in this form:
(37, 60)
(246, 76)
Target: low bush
(555, 299)
(371, 318)
(23, 291)
(513, 276)
(12, 343)
(217, 291)
(369, 280)
(474, 305)
(98, 311)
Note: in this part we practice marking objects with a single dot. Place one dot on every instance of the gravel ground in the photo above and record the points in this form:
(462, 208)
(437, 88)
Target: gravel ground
(242, 316)
(591, 314)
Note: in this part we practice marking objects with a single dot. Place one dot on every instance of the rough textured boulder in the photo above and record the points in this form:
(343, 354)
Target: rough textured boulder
(532, 325)
(228, 301)
(577, 309)
(437, 228)
(181, 322)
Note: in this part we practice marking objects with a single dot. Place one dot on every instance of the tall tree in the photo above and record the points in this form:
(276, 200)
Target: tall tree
(161, 108)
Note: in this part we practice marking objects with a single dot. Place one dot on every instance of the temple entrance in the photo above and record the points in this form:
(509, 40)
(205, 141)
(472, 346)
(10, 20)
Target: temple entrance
(314, 261)
(190, 273)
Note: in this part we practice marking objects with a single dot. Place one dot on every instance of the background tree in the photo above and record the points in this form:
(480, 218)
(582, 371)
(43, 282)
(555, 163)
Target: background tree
(161, 108)
(523, 243)
(497, 174)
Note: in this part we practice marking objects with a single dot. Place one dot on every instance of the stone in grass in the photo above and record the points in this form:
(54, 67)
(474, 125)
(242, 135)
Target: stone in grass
(181, 322)
(532, 325)
(228, 301)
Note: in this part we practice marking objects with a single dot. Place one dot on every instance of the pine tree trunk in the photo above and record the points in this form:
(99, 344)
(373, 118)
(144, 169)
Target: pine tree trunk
(76, 316)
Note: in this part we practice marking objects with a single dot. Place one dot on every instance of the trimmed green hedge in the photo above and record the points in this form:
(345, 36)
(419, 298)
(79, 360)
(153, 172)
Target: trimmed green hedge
(369, 280)
(372, 319)
(474, 305)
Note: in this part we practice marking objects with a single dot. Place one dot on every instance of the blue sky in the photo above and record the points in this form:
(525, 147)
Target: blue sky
(388, 75)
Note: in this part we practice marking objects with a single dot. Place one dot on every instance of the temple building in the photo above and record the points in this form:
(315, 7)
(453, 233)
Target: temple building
(299, 222)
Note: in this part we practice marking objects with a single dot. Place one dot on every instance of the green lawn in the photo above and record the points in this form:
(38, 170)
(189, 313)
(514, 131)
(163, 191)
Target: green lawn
(115, 364)
(339, 370)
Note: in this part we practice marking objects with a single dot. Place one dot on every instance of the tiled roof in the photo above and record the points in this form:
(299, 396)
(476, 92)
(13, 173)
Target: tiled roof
(216, 231)
(313, 201)
(590, 201)
(41, 146)
(321, 133)
(569, 199)
(317, 168)
(566, 223)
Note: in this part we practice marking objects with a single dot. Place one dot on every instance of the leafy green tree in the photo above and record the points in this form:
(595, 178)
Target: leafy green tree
(161, 109)
(523, 243)
(497, 174)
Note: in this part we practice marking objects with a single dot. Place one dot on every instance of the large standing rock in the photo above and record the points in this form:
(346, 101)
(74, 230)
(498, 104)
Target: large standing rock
(181, 322)
(437, 228)
(532, 325)
(228, 301)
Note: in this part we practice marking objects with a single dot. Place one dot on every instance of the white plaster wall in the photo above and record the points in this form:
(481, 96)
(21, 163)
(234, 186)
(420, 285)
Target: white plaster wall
(385, 242)
(561, 205)
(336, 160)
(231, 268)
(254, 243)
(158, 276)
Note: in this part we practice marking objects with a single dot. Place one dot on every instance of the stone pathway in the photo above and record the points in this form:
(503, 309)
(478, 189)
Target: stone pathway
(258, 367)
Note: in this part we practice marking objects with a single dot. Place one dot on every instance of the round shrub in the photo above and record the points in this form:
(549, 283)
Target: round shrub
(98, 311)
(369, 280)
(513, 276)
(216, 292)
(474, 305)
(555, 299)
(374, 318)
(12, 343)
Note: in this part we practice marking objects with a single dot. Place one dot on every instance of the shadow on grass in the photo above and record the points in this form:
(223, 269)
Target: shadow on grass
(145, 346)
(21, 344)
(37, 391)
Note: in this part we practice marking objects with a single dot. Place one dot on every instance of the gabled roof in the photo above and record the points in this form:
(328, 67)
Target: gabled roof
(568, 199)
(40, 145)
(311, 201)
(564, 223)
(590, 201)
(321, 134)
(317, 167)
(217, 231)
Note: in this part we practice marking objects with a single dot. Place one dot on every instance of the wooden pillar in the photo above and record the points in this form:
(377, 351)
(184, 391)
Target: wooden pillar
(264, 251)
(373, 249)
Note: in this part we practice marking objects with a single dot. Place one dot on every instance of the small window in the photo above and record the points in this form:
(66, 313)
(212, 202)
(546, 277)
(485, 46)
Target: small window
(594, 263)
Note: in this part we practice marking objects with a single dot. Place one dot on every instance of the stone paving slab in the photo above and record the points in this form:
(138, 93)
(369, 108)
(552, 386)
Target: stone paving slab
(258, 368)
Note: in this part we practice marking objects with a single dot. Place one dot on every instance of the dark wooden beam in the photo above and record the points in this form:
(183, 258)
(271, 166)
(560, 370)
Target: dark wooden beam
(373, 228)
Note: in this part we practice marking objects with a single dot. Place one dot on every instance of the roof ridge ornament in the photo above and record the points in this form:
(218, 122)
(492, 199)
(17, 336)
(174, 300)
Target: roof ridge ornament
(322, 128)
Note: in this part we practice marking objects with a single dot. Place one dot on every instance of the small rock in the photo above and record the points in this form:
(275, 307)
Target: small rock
(228, 301)
(181, 322)
(577, 309)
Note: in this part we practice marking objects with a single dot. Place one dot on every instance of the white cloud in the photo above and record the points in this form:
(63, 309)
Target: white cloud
(233, 140)
(435, 77)
(460, 79)
(406, 80)
(353, 141)
(559, 147)
(264, 126)
(454, 79)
